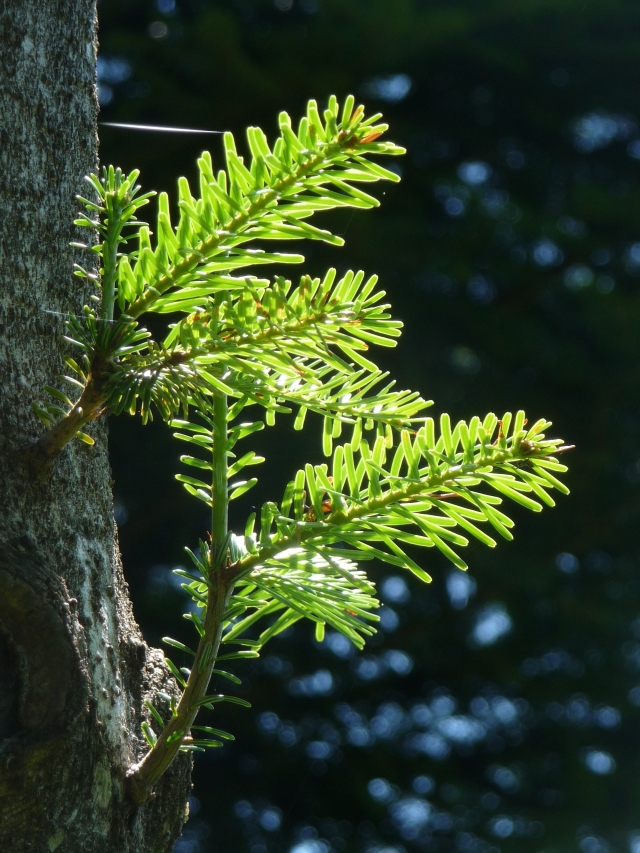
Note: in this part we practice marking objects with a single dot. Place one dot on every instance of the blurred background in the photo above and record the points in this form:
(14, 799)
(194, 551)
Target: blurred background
(497, 710)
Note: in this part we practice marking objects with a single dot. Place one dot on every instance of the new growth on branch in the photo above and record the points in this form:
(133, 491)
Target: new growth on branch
(236, 341)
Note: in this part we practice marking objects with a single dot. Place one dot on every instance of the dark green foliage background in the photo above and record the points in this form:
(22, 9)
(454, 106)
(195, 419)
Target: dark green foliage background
(489, 325)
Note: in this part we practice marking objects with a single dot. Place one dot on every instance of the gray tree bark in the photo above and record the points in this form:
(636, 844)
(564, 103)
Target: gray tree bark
(74, 670)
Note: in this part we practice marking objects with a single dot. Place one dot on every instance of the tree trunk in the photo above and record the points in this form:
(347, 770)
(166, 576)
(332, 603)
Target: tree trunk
(74, 671)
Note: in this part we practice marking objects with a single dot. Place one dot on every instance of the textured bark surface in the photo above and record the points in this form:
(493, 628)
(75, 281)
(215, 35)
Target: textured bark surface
(74, 671)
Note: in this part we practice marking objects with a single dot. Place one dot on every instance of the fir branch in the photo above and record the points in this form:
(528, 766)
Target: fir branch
(363, 501)
(273, 345)
(269, 200)
(396, 485)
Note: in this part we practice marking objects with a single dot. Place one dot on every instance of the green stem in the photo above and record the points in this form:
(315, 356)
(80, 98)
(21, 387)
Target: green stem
(220, 506)
(110, 263)
(92, 400)
(143, 776)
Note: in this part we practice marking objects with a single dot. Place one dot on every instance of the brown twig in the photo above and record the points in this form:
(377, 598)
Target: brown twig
(88, 407)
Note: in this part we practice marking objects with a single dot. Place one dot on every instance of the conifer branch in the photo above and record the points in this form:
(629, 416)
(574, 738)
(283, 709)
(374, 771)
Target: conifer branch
(400, 482)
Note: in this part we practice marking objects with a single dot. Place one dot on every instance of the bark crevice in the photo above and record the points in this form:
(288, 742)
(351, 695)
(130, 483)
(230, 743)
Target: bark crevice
(38, 635)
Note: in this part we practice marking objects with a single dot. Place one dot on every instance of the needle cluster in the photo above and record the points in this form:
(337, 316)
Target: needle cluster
(394, 480)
